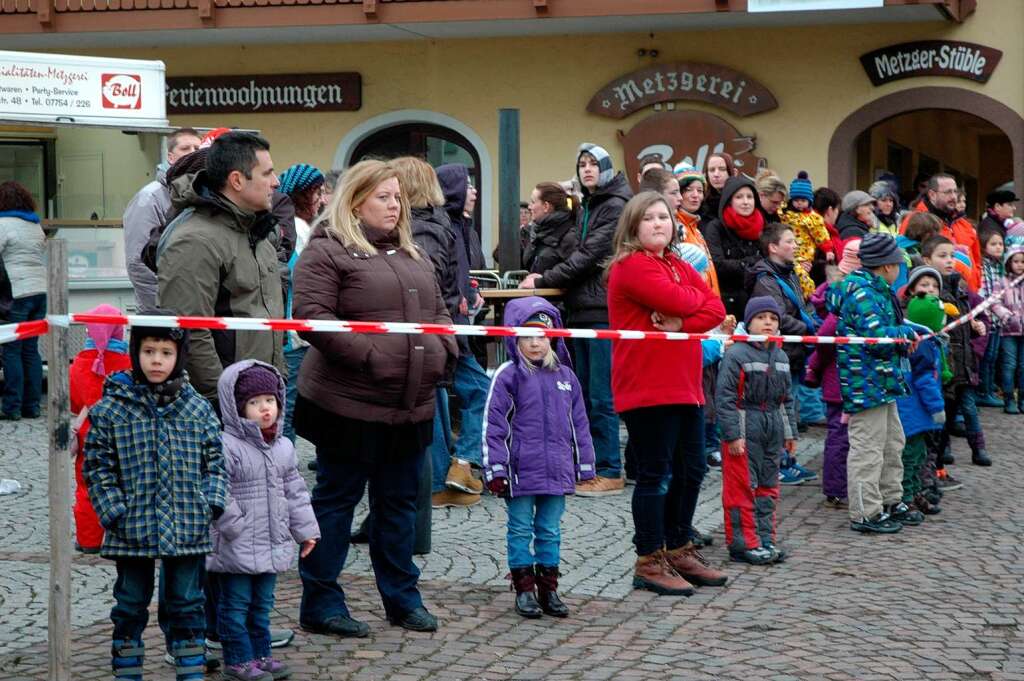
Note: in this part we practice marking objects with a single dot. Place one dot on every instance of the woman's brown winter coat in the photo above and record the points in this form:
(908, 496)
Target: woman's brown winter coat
(385, 378)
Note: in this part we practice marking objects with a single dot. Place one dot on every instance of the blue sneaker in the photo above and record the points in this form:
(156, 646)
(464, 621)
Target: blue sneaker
(790, 476)
(805, 474)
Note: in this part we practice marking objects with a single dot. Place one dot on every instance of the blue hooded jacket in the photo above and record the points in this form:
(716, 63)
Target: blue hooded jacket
(924, 409)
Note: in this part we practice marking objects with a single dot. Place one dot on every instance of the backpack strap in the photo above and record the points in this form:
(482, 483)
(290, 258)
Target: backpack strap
(812, 322)
(165, 236)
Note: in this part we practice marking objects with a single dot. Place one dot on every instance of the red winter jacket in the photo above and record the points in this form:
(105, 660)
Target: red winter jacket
(647, 373)
(86, 387)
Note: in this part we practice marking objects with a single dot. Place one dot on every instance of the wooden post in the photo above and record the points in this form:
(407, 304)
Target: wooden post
(58, 424)
(509, 257)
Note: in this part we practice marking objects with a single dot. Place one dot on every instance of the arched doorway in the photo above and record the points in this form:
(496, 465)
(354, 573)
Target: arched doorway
(436, 138)
(909, 148)
(995, 117)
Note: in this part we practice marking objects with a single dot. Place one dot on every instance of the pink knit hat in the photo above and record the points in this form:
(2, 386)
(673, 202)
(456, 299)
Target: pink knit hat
(102, 333)
(851, 257)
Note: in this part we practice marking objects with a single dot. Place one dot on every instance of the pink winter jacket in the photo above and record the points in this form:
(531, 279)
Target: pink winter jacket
(268, 512)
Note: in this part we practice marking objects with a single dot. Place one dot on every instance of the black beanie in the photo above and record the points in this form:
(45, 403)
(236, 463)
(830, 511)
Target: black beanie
(177, 336)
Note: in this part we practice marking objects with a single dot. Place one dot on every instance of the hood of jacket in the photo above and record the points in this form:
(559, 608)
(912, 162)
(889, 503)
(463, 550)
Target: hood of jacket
(553, 226)
(617, 186)
(733, 185)
(846, 222)
(454, 179)
(432, 214)
(193, 191)
(239, 426)
(518, 311)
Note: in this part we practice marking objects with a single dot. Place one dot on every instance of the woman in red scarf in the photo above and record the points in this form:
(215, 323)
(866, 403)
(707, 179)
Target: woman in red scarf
(733, 240)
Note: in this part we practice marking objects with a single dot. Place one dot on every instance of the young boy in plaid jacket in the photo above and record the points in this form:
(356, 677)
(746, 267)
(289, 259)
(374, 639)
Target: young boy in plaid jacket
(156, 478)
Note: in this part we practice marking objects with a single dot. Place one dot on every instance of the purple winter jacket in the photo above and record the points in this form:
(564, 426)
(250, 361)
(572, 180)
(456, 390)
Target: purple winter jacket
(821, 365)
(268, 510)
(536, 432)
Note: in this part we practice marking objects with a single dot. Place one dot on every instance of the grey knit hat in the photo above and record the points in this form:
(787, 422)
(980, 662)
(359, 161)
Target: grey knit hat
(883, 189)
(856, 198)
(923, 271)
(877, 249)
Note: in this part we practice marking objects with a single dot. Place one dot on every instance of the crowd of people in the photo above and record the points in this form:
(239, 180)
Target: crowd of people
(185, 438)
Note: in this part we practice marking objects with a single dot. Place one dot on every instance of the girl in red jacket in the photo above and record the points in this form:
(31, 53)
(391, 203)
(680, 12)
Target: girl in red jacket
(105, 353)
(658, 393)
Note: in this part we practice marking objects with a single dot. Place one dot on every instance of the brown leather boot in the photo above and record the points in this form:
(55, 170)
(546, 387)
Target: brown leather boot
(690, 564)
(652, 572)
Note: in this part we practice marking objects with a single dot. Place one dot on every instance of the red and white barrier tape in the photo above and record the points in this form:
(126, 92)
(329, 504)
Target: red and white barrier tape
(337, 326)
(23, 330)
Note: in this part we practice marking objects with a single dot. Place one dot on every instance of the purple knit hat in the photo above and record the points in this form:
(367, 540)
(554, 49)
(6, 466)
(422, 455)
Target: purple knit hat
(256, 380)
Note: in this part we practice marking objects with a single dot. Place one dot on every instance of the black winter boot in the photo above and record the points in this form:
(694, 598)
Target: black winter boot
(547, 588)
(979, 457)
(526, 597)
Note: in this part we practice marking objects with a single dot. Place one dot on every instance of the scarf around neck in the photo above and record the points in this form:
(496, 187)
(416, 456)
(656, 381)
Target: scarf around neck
(748, 228)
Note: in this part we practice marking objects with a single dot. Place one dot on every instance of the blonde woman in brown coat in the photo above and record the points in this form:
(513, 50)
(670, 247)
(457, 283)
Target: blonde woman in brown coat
(367, 400)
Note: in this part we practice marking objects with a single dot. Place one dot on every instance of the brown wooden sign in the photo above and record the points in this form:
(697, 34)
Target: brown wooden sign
(931, 58)
(279, 93)
(689, 136)
(691, 81)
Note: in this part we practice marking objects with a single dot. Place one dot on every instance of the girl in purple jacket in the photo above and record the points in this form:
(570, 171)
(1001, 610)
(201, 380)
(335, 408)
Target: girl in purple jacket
(537, 447)
(268, 513)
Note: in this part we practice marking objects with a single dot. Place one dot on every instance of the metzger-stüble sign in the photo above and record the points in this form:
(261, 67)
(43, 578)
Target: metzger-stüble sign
(308, 92)
(931, 58)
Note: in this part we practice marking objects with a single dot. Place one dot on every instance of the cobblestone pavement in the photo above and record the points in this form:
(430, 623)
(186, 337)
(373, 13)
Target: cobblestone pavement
(943, 601)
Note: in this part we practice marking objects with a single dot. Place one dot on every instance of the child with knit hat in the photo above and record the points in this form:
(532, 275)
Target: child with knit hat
(105, 352)
(756, 414)
(809, 229)
(871, 379)
(155, 474)
(923, 410)
(1012, 345)
(268, 513)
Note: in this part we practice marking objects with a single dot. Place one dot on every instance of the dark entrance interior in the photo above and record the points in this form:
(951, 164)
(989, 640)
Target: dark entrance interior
(920, 143)
(435, 144)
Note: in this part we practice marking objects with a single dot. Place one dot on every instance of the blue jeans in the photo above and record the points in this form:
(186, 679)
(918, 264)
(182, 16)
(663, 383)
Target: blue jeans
(243, 616)
(23, 367)
(440, 449)
(989, 363)
(1012, 356)
(594, 370)
(340, 481)
(181, 597)
(293, 358)
(471, 386)
(537, 518)
(668, 443)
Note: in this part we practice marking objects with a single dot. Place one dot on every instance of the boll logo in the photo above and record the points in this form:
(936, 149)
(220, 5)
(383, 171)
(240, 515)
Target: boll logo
(121, 91)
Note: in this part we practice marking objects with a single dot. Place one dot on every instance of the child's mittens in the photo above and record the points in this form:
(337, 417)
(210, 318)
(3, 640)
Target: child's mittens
(498, 487)
(939, 417)
(844, 419)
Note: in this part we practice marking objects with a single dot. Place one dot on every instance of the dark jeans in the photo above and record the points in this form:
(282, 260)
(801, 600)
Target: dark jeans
(293, 358)
(964, 403)
(340, 481)
(989, 364)
(594, 369)
(181, 597)
(441, 446)
(1012, 355)
(668, 444)
(23, 367)
(243, 616)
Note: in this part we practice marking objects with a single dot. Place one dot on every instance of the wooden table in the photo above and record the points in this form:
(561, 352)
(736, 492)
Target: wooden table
(500, 297)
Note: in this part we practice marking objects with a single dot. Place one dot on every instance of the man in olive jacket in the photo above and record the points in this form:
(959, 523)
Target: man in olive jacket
(214, 259)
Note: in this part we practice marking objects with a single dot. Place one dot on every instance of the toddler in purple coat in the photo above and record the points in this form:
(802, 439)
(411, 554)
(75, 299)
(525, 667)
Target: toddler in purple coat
(537, 446)
(268, 513)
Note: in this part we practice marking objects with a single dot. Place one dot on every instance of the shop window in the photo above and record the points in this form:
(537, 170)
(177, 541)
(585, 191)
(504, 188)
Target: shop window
(26, 163)
(435, 144)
